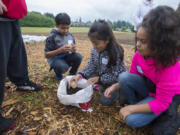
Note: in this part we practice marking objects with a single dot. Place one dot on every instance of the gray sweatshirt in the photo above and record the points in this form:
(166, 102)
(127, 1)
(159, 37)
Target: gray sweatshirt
(56, 40)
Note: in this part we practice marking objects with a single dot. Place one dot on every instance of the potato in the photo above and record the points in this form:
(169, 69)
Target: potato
(73, 84)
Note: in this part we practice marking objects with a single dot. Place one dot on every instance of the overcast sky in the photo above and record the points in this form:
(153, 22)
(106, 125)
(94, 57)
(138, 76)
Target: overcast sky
(93, 9)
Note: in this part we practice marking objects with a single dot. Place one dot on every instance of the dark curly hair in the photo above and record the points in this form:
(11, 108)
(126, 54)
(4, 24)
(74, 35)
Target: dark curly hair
(163, 27)
(102, 31)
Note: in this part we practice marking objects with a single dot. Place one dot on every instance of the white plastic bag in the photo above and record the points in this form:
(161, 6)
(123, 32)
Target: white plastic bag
(80, 99)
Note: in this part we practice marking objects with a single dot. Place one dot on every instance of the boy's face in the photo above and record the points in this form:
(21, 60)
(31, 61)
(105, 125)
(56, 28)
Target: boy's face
(63, 28)
(143, 43)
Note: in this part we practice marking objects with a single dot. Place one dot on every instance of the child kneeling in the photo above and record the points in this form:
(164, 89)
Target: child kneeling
(106, 62)
(60, 48)
(154, 74)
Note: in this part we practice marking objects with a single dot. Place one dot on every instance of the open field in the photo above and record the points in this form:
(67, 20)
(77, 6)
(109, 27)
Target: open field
(43, 30)
(46, 31)
(40, 113)
(79, 33)
(122, 38)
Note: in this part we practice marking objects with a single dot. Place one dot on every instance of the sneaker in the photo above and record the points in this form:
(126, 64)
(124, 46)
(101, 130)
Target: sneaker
(6, 124)
(29, 86)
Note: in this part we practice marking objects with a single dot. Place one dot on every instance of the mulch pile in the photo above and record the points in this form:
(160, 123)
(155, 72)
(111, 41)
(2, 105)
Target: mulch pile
(40, 113)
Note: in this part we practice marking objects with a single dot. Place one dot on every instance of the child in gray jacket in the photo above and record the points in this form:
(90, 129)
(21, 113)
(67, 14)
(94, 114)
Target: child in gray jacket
(60, 48)
(106, 61)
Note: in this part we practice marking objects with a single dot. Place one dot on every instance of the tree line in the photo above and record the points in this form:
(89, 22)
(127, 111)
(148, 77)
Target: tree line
(36, 19)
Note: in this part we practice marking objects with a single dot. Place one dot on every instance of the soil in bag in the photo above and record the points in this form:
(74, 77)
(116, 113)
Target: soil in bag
(71, 90)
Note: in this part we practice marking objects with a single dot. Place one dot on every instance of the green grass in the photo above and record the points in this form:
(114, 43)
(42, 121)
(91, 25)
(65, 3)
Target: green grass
(43, 30)
(46, 31)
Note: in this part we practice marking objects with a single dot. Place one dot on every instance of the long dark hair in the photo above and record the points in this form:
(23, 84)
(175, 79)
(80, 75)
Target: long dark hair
(102, 31)
(163, 27)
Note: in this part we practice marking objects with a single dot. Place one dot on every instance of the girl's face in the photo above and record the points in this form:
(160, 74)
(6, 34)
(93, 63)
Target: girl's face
(99, 45)
(143, 43)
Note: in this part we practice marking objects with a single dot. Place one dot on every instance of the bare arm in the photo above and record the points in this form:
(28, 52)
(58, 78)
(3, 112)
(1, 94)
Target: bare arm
(53, 53)
(138, 108)
(141, 108)
(111, 89)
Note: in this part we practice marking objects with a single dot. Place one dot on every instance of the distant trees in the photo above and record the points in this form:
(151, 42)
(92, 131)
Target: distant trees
(116, 25)
(121, 25)
(36, 19)
(49, 15)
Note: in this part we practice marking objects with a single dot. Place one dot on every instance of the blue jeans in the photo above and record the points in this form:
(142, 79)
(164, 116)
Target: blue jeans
(108, 101)
(61, 66)
(132, 86)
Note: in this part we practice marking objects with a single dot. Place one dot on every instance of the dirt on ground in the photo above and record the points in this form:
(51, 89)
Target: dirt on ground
(41, 113)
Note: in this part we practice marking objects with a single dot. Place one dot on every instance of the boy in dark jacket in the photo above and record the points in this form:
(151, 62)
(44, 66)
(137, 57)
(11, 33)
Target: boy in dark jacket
(60, 48)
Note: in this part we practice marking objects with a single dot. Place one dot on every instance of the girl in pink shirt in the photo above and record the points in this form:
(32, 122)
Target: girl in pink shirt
(152, 87)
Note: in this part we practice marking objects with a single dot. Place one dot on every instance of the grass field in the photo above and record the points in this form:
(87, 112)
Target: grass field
(42, 30)
(80, 33)
(45, 31)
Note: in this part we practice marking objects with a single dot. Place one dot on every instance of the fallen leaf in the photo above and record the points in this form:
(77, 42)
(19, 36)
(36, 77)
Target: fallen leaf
(37, 118)
(9, 111)
(10, 102)
(34, 112)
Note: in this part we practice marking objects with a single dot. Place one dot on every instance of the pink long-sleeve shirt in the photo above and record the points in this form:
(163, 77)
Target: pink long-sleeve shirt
(167, 81)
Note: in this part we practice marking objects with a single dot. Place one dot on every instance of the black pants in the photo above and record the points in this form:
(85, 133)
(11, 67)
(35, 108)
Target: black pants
(13, 57)
(169, 122)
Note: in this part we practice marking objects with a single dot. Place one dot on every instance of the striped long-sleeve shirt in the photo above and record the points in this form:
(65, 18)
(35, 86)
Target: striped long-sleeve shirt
(97, 66)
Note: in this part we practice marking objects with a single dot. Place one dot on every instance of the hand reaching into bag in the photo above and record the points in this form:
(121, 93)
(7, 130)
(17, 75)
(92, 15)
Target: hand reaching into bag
(74, 80)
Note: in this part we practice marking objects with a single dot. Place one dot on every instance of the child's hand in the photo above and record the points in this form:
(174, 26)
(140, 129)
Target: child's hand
(93, 79)
(75, 79)
(125, 111)
(109, 91)
(73, 48)
(3, 8)
(65, 48)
